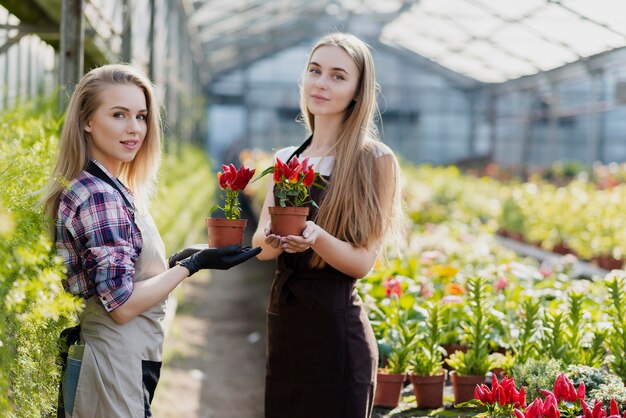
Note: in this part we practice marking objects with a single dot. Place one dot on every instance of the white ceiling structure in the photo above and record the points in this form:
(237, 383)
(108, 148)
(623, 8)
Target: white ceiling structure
(488, 40)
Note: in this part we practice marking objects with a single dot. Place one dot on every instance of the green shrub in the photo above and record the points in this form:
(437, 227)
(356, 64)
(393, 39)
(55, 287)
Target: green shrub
(537, 374)
(592, 377)
(33, 306)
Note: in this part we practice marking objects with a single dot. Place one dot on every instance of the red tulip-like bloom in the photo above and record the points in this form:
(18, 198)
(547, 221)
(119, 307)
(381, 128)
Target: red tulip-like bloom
(232, 181)
(541, 409)
(292, 181)
(599, 412)
(564, 390)
(503, 396)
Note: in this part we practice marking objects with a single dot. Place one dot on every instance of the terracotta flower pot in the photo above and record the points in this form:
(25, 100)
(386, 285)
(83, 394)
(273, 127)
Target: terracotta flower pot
(428, 390)
(463, 386)
(388, 389)
(288, 220)
(225, 232)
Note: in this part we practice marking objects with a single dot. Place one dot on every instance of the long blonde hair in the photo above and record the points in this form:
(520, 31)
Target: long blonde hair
(139, 175)
(353, 209)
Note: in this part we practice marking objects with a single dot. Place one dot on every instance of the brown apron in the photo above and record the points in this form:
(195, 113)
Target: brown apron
(120, 365)
(321, 350)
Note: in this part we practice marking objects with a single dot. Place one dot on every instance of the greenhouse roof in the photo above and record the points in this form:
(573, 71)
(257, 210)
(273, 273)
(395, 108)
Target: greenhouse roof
(475, 40)
(487, 40)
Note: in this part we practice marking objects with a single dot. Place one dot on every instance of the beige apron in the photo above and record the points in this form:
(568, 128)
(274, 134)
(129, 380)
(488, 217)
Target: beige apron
(121, 363)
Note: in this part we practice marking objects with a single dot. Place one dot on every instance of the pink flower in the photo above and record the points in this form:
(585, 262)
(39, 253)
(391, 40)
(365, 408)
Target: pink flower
(426, 291)
(501, 283)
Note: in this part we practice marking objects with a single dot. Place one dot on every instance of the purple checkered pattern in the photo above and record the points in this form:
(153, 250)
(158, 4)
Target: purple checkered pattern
(99, 241)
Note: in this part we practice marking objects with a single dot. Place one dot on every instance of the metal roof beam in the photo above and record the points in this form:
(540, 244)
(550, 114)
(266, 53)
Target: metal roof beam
(258, 27)
(256, 48)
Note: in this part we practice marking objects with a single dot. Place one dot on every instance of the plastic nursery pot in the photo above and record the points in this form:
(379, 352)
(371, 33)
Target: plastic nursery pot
(225, 232)
(428, 390)
(288, 220)
(463, 386)
(388, 389)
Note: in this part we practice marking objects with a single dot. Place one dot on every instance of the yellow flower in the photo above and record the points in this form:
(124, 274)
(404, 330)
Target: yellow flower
(443, 271)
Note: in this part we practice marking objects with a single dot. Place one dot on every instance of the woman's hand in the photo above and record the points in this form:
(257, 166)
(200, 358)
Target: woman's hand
(298, 244)
(271, 239)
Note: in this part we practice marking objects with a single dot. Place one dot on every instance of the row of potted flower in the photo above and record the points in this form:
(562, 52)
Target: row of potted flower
(521, 296)
(579, 218)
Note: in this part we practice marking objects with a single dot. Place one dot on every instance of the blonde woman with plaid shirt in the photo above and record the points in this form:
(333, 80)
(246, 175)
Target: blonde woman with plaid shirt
(108, 159)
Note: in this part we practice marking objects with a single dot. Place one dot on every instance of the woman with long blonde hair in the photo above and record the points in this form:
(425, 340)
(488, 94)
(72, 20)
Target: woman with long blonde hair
(109, 154)
(322, 355)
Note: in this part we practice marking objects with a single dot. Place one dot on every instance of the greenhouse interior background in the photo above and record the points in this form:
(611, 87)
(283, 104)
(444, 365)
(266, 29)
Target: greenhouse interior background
(523, 86)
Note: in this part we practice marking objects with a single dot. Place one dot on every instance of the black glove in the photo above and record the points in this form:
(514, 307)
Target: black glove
(218, 258)
(182, 254)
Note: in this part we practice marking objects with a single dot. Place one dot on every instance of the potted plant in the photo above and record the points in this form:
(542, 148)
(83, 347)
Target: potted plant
(470, 368)
(428, 376)
(390, 379)
(229, 230)
(292, 183)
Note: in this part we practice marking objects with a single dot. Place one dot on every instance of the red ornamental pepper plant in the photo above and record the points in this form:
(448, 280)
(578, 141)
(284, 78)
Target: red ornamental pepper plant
(232, 181)
(567, 401)
(293, 181)
(502, 399)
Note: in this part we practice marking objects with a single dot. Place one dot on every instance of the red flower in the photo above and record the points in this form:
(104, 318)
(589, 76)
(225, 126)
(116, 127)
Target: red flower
(280, 170)
(483, 394)
(564, 390)
(502, 393)
(392, 286)
(541, 409)
(292, 181)
(233, 179)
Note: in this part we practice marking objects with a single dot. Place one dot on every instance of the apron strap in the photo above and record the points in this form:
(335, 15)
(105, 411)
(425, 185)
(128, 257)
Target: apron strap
(301, 148)
(93, 169)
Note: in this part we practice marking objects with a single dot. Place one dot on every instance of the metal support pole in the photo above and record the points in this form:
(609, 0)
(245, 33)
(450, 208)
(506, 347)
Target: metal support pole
(470, 96)
(127, 31)
(491, 121)
(72, 47)
(595, 141)
(151, 63)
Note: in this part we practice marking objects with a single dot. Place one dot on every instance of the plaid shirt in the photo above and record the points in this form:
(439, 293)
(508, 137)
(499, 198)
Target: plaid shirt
(98, 239)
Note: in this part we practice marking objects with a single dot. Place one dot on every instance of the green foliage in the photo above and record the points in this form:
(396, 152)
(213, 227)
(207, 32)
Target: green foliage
(396, 330)
(592, 377)
(608, 391)
(427, 360)
(525, 346)
(403, 341)
(512, 218)
(617, 317)
(475, 361)
(536, 374)
(183, 198)
(553, 339)
(34, 308)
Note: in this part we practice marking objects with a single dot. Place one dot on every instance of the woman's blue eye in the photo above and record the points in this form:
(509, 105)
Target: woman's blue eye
(118, 115)
(338, 77)
(142, 117)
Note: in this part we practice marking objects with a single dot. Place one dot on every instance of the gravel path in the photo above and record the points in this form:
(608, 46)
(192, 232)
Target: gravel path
(215, 346)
